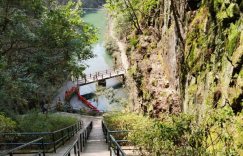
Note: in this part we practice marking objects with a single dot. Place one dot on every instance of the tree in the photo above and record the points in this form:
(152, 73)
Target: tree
(128, 8)
(6, 124)
(40, 44)
(132, 9)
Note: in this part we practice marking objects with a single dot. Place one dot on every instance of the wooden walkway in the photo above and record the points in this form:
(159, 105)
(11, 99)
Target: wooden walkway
(100, 76)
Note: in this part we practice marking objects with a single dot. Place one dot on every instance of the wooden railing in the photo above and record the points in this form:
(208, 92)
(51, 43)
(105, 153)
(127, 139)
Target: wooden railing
(101, 75)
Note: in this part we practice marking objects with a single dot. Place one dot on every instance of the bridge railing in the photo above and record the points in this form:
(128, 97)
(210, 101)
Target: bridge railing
(68, 94)
(39, 152)
(93, 76)
(79, 143)
(53, 139)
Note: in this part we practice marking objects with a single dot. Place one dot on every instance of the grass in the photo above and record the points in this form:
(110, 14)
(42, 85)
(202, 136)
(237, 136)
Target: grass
(42, 123)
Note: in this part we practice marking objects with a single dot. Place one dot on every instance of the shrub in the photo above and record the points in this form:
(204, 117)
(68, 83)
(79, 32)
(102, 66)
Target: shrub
(122, 27)
(84, 111)
(134, 41)
(35, 122)
(218, 132)
(59, 106)
(6, 124)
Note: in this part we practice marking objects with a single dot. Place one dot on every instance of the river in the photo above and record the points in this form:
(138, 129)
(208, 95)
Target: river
(101, 62)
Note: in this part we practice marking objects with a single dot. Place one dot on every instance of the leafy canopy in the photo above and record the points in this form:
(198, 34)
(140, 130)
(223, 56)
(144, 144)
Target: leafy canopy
(40, 44)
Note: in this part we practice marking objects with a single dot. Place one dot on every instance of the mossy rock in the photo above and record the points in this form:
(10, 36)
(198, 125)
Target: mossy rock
(209, 100)
(233, 10)
(234, 94)
(234, 38)
(192, 90)
(241, 72)
(228, 12)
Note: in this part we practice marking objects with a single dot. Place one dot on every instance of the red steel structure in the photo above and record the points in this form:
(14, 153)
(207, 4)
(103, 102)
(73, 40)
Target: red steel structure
(76, 90)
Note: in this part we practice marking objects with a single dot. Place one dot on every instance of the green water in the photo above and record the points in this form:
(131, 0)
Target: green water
(98, 20)
(101, 62)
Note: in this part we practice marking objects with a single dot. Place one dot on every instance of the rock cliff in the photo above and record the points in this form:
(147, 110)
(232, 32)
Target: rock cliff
(188, 57)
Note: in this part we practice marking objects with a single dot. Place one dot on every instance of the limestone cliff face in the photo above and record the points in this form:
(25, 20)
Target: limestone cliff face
(189, 55)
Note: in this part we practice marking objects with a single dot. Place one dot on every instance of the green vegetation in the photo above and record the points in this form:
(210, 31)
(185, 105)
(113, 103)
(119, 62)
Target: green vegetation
(40, 43)
(154, 81)
(134, 41)
(219, 132)
(35, 122)
(209, 44)
(7, 124)
(163, 94)
(234, 38)
(110, 95)
(112, 47)
(122, 27)
(131, 10)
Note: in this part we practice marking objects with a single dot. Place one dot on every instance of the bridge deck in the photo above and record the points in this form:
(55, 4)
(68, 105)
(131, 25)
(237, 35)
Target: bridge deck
(99, 76)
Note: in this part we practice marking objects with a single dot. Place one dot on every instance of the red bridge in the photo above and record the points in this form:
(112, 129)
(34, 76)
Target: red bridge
(69, 94)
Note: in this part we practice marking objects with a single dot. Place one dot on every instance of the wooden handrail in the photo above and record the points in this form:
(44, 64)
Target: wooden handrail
(101, 73)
